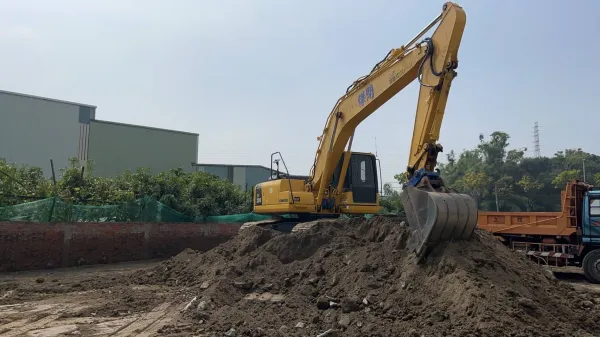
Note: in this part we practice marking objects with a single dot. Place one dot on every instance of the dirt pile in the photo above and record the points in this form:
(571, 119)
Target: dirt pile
(355, 278)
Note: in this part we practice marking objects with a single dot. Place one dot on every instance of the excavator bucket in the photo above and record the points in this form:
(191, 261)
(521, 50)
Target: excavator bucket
(435, 217)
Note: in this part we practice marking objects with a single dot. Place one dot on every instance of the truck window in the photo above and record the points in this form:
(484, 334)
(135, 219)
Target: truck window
(595, 207)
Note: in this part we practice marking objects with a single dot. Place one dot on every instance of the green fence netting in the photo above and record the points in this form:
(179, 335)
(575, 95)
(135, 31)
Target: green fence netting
(145, 209)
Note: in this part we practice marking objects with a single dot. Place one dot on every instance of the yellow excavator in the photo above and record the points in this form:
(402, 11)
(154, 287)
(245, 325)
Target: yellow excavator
(346, 182)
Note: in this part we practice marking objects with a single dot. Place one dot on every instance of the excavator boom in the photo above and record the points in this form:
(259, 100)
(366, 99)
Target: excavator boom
(434, 212)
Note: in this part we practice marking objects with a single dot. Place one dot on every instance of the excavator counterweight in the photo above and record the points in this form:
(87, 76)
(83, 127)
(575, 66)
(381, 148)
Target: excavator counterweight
(342, 181)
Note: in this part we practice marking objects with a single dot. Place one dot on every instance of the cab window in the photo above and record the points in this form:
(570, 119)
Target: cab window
(595, 207)
(363, 171)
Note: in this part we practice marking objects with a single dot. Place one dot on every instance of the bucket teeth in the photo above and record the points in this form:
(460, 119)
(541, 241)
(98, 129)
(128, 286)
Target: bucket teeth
(435, 217)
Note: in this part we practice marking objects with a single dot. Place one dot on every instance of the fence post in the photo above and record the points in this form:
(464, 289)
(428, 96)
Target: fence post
(52, 209)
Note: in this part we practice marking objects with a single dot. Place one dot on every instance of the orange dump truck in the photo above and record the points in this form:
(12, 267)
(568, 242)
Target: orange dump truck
(570, 237)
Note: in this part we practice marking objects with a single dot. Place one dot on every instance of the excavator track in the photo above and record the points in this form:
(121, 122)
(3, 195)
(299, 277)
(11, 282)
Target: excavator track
(285, 225)
(262, 223)
(304, 226)
(281, 225)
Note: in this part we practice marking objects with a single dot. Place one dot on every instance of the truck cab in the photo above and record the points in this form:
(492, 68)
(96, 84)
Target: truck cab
(589, 235)
(591, 218)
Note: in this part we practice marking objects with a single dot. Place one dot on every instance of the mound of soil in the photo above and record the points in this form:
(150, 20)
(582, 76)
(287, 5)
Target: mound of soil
(355, 278)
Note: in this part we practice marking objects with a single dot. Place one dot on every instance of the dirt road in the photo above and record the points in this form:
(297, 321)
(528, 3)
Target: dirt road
(84, 301)
(576, 278)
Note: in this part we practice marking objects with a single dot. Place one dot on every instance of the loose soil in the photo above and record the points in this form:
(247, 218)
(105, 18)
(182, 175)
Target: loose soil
(86, 301)
(355, 278)
(106, 287)
(340, 278)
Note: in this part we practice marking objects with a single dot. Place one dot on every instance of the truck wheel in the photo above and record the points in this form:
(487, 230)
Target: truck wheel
(591, 266)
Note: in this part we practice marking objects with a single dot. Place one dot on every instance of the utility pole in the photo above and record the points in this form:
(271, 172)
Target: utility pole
(496, 193)
(583, 161)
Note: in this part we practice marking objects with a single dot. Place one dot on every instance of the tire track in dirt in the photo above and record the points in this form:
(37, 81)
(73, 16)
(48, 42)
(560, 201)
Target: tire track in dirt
(52, 324)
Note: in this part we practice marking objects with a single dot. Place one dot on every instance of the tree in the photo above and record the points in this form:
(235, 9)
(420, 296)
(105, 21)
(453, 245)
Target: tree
(492, 170)
(475, 183)
(565, 176)
(530, 186)
(20, 182)
(400, 178)
(390, 201)
(195, 194)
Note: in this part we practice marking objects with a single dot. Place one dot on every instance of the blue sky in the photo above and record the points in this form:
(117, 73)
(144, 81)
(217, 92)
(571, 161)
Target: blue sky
(268, 72)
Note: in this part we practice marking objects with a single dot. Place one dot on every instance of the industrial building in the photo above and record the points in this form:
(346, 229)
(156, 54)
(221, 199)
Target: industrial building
(115, 147)
(244, 176)
(35, 130)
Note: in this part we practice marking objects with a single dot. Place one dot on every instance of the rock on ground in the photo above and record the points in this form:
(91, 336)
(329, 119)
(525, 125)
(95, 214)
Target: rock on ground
(355, 278)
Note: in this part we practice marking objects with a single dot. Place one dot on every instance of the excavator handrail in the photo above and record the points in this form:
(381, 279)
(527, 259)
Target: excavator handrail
(287, 172)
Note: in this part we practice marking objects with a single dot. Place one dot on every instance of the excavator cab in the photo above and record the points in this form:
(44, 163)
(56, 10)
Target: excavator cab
(285, 194)
(361, 180)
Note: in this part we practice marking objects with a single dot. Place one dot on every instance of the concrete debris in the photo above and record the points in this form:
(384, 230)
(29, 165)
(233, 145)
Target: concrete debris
(202, 305)
(344, 320)
(329, 333)
(187, 306)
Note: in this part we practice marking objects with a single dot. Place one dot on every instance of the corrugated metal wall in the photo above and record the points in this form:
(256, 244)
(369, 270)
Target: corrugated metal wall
(34, 130)
(115, 147)
(255, 175)
(244, 176)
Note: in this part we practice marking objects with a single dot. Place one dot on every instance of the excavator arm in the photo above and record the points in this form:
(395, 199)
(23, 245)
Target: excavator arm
(434, 212)
(401, 66)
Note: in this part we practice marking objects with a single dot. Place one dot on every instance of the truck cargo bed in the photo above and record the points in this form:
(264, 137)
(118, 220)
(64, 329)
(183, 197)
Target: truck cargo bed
(550, 227)
(526, 223)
